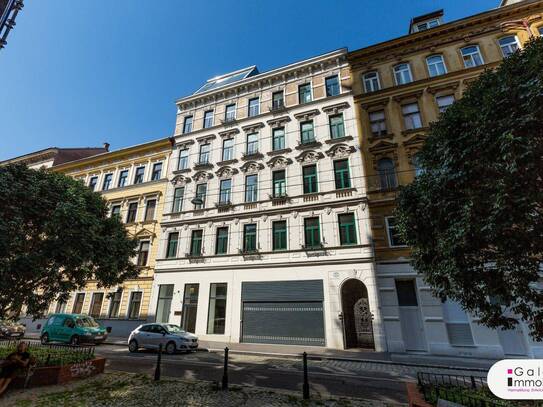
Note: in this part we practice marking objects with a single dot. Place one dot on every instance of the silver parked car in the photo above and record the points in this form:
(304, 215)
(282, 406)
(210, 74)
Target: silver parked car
(172, 338)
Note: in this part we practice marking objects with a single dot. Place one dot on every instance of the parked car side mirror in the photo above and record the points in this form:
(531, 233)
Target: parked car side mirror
(163, 333)
(108, 329)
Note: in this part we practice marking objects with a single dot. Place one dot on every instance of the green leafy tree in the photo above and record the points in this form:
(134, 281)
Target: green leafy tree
(54, 236)
(474, 217)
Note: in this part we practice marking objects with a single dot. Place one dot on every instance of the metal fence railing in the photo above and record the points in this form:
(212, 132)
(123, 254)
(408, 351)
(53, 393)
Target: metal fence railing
(468, 391)
(50, 354)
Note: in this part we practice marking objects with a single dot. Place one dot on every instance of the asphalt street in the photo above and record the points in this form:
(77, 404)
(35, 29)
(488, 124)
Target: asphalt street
(380, 383)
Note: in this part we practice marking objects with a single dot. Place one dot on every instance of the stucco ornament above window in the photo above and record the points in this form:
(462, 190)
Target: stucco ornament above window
(279, 162)
(309, 157)
(202, 176)
(226, 172)
(251, 167)
(340, 151)
(180, 180)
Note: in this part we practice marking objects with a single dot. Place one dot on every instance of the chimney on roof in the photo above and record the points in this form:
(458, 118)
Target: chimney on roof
(106, 146)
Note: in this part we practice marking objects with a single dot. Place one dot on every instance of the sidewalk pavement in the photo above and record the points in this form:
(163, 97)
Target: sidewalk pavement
(319, 353)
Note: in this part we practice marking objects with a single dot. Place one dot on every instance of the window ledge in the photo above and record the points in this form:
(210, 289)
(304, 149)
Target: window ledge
(338, 140)
(227, 162)
(203, 166)
(279, 152)
(413, 131)
(182, 171)
(252, 156)
(305, 146)
(388, 136)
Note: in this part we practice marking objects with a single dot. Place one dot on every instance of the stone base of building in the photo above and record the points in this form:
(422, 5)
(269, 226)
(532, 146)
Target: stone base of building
(334, 306)
(416, 321)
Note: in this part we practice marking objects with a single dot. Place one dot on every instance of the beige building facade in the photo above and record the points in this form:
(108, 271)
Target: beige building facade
(133, 181)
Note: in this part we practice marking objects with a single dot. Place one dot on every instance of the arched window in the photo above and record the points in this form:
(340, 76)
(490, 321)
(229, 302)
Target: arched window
(387, 174)
(436, 65)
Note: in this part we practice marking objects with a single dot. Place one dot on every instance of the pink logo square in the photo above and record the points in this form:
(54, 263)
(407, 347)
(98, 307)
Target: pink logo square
(509, 371)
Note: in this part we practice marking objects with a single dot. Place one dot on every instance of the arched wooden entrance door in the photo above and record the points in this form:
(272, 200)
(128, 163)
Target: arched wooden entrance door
(357, 317)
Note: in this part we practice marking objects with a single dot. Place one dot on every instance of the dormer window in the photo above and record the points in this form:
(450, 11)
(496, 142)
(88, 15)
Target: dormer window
(426, 21)
(427, 25)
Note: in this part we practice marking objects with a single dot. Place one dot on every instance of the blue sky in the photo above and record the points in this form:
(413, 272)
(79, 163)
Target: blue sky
(76, 73)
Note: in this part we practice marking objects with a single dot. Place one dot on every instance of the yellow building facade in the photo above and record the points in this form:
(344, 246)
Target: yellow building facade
(133, 181)
(401, 86)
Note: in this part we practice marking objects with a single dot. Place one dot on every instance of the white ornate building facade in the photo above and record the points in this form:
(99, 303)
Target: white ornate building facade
(265, 235)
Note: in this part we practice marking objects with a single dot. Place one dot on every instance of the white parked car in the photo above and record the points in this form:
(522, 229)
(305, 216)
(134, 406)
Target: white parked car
(172, 338)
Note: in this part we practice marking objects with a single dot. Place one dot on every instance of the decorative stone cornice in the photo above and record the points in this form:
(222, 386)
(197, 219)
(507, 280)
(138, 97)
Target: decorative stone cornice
(278, 122)
(279, 162)
(307, 115)
(206, 138)
(376, 104)
(309, 157)
(250, 128)
(383, 145)
(443, 87)
(335, 108)
(228, 133)
(340, 151)
(202, 176)
(226, 172)
(180, 180)
(251, 167)
(413, 95)
(184, 144)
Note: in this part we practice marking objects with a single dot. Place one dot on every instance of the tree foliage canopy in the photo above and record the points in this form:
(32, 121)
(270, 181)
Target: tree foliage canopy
(474, 217)
(55, 235)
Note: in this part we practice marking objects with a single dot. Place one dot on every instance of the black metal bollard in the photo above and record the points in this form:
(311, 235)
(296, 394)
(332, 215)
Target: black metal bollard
(306, 381)
(473, 385)
(158, 359)
(225, 372)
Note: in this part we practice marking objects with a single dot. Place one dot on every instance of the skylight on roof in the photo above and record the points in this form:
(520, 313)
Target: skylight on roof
(227, 79)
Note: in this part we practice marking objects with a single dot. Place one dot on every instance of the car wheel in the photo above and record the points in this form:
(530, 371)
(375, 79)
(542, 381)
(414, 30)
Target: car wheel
(170, 348)
(133, 346)
(74, 340)
(44, 338)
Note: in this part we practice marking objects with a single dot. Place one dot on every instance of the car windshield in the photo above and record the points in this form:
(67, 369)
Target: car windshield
(173, 329)
(87, 322)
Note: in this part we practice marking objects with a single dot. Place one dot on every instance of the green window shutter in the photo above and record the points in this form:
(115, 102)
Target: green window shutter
(312, 232)
(337, 128)
(347, 229)
(310, 179)
(221, 246)
(308, 134)
(280, 235)
(196, 243)
(172, 244)
(278, 139)
(341, 174)
(279, 184)
(249, 237)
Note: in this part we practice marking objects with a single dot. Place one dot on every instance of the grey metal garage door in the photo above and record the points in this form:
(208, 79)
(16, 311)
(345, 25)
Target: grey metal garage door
(283, 312)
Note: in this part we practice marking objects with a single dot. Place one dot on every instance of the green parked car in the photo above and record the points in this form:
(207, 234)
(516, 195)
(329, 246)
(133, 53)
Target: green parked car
(73, 329)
